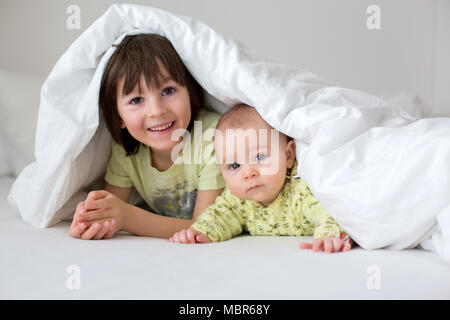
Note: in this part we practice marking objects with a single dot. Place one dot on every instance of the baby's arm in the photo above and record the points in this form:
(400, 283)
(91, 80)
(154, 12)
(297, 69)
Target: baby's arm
(328, 235)
(221, 221)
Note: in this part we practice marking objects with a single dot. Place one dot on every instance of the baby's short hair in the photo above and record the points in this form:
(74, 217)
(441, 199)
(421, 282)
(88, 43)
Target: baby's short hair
(239, 116)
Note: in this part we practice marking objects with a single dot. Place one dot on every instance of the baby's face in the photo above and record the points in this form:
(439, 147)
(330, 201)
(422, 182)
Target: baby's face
(254, 160)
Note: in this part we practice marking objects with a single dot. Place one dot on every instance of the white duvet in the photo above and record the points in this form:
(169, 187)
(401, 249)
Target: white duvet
(380, 172)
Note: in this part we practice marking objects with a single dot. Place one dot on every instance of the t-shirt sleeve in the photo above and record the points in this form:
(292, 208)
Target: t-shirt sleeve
(222, 220)
(315, 213)
(115, 169)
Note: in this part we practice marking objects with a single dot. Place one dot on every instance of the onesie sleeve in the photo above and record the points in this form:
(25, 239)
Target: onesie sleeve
(222, 220)
(313, 211)
(115, 169)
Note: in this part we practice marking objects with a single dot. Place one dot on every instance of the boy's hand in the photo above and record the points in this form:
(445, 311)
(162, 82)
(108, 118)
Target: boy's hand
(100, 216)
(189, 236)
(327, 244)
(101, 230)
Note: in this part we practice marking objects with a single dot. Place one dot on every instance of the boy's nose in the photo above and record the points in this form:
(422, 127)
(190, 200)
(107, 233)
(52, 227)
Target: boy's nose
(155, 108)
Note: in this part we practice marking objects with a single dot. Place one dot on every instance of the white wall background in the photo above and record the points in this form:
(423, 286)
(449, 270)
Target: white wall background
(327, 37)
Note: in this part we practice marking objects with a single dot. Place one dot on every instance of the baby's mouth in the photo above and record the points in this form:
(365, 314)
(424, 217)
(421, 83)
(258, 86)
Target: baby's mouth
(254, 187)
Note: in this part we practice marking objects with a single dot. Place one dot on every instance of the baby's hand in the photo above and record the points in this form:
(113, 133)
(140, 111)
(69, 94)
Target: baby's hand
(189, 236)
(327, 244)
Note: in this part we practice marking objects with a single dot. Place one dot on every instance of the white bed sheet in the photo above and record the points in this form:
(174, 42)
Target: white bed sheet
(34, 263)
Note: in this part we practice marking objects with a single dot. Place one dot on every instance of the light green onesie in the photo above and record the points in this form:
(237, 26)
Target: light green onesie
(295, 212)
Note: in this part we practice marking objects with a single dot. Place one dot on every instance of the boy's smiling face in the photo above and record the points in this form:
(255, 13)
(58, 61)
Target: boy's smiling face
(254, 160)
(151, 114)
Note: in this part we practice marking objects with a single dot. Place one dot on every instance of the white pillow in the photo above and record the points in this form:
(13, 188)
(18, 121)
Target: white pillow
(19, 105)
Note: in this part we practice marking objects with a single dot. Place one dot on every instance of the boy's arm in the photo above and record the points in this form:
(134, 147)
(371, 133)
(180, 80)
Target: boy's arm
(144, 223)
(223, 220)
(123, 194)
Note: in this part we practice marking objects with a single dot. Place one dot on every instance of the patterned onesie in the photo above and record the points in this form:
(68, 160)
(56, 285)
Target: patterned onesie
(295, 212)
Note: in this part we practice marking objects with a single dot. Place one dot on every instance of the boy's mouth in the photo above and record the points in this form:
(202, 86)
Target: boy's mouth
(162, 128)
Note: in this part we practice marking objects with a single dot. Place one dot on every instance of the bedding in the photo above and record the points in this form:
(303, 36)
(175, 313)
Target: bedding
(381, 172)
(42, 263)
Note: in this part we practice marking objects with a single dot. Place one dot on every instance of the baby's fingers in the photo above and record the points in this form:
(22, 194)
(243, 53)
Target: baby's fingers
(317, 244)
(305, 245)
(190, 235)
(327, 245)
(347, 246)
(175, 237)
(183, 236)
(201, 238)
(338, 244)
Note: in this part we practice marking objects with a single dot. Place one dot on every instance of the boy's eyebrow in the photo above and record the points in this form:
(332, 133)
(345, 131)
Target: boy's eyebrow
(163, 80)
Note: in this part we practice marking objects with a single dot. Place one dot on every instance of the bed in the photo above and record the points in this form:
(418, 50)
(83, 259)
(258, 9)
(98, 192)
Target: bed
(42, 264)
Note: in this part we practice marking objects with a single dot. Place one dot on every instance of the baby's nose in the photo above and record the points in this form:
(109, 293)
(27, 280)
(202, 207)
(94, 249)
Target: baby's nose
(250, 173)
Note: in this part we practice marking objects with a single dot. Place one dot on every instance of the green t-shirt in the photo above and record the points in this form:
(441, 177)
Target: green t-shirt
(172, 192)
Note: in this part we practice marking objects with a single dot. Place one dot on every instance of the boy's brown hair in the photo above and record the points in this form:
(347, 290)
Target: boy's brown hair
(136, 55)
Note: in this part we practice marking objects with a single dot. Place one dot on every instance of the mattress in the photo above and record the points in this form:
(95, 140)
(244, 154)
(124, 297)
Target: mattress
(49, 264)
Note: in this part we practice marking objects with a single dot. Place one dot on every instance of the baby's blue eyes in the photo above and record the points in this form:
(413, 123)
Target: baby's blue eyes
(234, 166)
(260, 157)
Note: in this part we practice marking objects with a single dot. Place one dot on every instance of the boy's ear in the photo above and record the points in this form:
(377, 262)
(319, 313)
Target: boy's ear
(290, 153)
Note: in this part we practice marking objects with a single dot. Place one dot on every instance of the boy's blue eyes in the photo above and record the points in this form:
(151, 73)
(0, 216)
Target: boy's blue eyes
(168, 91)
(234, 165)
(136, 100)
(165, 92)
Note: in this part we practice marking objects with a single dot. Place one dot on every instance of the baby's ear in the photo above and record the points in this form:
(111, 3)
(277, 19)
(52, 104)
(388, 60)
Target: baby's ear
(290, 153)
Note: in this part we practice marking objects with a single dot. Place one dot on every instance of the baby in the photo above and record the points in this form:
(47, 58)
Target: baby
(264, 195)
